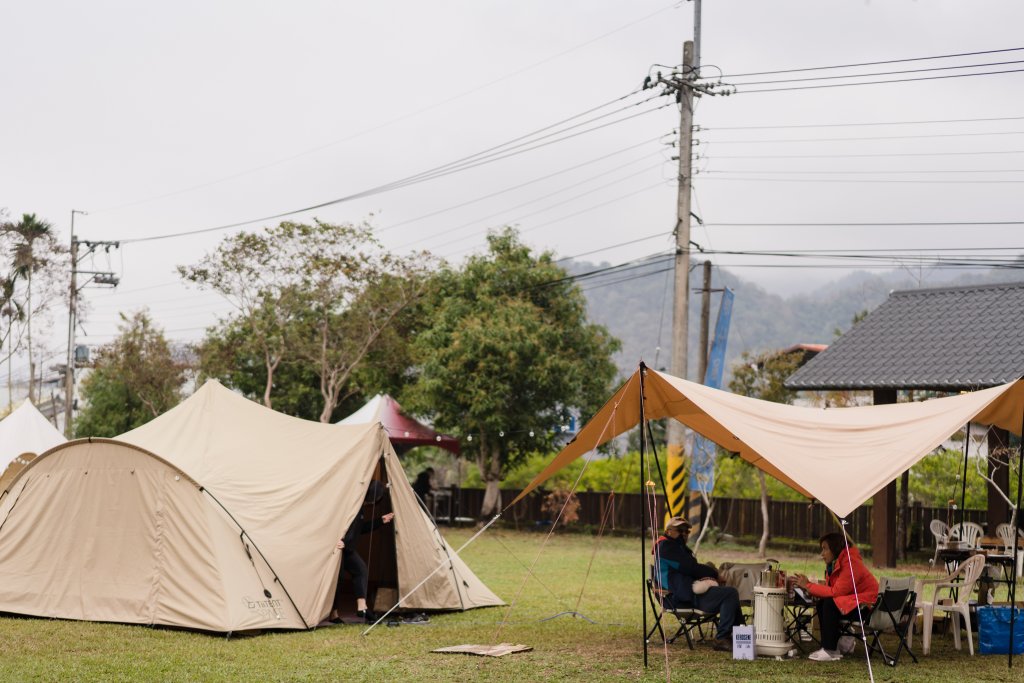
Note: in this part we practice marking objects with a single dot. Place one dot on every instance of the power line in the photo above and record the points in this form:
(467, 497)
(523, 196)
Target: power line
(859, 123)
(881, 181)
(875, 224)
(430, 174)
(519, 186)
(893, 80)
(879, 73)
(818, 171)
(403, 117)
(863, 156)
(863, 138)
(888, 61)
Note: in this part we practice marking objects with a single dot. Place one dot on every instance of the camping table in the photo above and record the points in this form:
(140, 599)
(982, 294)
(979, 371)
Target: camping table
(952, 557)
(800, 622)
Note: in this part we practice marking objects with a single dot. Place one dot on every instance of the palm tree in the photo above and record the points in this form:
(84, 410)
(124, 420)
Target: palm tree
(26, 261)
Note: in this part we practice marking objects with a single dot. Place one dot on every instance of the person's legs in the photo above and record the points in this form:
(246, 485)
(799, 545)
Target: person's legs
(354, 565)
(828, 619)
(724, 600)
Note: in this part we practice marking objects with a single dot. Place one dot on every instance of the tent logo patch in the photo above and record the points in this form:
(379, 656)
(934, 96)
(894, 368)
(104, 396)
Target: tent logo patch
(266, 608)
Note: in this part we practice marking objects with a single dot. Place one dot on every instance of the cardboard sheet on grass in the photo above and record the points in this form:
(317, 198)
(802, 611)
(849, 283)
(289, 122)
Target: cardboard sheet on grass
(840, 456)
(499, 650)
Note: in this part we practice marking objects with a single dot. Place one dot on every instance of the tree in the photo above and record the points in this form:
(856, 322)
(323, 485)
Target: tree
(134, 379)
(32, 252)
(507, 350)
(318, 294)
(763, 377)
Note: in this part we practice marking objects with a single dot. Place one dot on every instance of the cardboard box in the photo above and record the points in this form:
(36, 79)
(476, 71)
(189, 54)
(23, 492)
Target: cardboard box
(743, 642)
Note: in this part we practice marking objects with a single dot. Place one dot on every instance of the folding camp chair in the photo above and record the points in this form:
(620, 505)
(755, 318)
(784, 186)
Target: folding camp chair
(893, 612)
(690, 618)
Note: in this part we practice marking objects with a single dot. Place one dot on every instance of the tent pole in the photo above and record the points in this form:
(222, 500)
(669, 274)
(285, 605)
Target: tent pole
(1016, 542)
(643, 525)
(963, 482)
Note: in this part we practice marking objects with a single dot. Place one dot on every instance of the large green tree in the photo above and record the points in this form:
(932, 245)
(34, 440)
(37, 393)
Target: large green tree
(134, 379)
(313, 301)
(507, 349)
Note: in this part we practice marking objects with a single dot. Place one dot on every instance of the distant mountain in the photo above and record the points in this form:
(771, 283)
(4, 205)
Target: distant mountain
(636, 307)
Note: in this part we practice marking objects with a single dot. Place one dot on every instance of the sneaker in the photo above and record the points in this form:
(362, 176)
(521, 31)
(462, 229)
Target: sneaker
(722, 645)
(847, 644)
(824, 655)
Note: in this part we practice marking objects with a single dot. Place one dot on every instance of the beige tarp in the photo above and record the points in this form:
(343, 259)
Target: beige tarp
(840, 456)
(148, 528)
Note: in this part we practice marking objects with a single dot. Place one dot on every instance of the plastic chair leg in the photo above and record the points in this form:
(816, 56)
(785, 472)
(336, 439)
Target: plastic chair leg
(956, 628)
(970, 637)
(926, 628)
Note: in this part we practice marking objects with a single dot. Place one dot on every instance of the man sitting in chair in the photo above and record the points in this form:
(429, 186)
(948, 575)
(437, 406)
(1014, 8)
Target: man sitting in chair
(691, 584)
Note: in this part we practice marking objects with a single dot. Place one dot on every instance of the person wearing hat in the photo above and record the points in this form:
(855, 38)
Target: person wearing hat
(351, 561)
(691, 584)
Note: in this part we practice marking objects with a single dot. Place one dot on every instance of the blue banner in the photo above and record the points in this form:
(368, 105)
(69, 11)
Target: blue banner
(702, 462)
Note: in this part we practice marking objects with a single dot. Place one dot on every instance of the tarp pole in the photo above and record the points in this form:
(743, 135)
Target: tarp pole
(963, 481)
(643, 525)
(1016, 542)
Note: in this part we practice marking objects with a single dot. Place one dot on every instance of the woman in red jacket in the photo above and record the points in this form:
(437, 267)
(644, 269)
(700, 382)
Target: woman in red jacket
(836, 597)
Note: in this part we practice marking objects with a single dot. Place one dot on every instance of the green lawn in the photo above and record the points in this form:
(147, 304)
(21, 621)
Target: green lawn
(564, 648)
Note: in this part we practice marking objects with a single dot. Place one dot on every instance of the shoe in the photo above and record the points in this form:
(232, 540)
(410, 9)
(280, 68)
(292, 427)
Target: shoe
(847, 644)
(367, 615)
(824, 655)
(722, 645)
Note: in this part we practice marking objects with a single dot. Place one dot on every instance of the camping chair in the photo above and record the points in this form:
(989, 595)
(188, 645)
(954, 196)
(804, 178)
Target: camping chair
(960, 584)
(968, 532)
(893, 612)
(940, 531)
(690, 618)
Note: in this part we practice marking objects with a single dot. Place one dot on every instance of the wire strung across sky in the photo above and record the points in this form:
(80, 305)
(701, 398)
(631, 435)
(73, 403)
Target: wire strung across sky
(510, 148)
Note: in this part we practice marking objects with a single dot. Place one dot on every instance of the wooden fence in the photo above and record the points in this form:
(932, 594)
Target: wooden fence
(739, 517)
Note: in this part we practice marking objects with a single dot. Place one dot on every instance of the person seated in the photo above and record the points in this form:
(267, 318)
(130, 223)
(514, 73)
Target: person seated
(691, 584)
(848, 591)
(424, 484)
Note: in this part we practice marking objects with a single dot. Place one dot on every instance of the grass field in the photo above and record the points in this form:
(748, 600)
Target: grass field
(564, 648)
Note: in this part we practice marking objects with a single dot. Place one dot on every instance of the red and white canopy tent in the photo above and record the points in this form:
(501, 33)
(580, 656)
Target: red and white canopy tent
(838, 456)
(403, 431)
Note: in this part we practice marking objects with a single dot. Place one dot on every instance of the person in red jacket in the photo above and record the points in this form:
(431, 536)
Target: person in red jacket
(844, 570)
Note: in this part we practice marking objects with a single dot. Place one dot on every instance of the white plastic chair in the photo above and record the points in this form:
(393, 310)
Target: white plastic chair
(968, 573)
(940, 531)
(1005, 533)
(968, 532)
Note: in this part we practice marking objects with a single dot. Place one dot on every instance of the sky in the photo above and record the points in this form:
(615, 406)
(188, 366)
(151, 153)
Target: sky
(164, 118)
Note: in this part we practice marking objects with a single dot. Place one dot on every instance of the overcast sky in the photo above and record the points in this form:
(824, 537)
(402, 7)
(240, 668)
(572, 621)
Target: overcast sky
(159, 118)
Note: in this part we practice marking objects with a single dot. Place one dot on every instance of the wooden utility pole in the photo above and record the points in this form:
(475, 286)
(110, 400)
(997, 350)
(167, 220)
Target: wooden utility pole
(69, 373)
(681, 294)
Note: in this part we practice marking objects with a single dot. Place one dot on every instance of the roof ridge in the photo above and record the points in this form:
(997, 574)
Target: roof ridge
(964, 288)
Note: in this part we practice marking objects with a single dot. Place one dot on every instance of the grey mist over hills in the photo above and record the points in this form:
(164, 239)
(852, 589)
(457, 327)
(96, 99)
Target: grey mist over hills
(636, 308)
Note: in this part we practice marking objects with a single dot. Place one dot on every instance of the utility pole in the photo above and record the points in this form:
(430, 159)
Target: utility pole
(69, 372)
(96, 277)
(675, 452)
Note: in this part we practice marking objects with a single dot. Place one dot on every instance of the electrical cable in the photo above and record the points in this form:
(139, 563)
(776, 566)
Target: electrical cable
(874, 137)
(862, 156)
(880, 73)
(877, 63)
(862, 123)
(893, 80)
(430, 174)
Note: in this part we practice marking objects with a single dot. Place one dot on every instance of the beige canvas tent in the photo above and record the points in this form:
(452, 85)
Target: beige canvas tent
(220, 515)
(24, 434)
(840, 456)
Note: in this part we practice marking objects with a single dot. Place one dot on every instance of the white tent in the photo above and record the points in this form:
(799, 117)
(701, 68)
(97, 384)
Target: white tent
(24, 434)
(840, 456)
(220, 515)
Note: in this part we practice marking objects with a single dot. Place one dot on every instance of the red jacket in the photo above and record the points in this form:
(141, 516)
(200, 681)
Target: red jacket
(839, 586)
